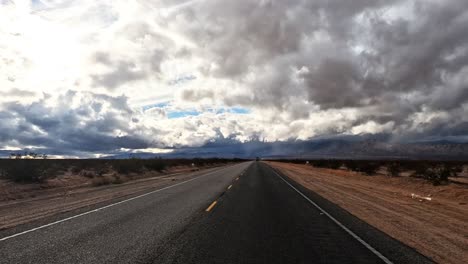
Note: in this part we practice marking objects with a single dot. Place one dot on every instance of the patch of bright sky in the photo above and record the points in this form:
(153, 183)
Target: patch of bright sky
(178, 113)
(38, 4)
(185, 113)
(152, 150)
(234, 110)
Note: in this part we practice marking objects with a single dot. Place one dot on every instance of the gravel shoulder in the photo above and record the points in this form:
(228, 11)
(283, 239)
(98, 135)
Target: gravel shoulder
(437, 228)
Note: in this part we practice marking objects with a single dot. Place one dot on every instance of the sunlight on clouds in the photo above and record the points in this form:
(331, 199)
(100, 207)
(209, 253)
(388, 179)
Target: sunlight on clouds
(372, 127)
(148, 150)
(99, 76)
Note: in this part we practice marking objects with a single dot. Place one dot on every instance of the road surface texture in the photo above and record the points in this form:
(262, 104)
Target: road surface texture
(246, 213)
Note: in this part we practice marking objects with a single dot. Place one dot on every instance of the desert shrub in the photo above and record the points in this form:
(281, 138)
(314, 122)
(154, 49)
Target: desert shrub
(351, 165)
(438, 174)
(334, 164)
(87, 174)
(25, 171)
(76, 170)
(319, 163)
(294, 161)
(394, 168)
(101, 171)
(156, 164)
(369, 167)
(85, 164)
(331, 164)
(455, 170)
(420, 170)
(118, 180)
(364, 166)
(51, 168)
(128, 165)
(108, 179)
(99, 181)
(37, 170)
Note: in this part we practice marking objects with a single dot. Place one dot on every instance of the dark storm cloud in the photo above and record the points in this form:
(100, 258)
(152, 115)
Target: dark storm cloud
(398, 58)
(303, 67)
(87, 127)
(339, 82)
(405, 57)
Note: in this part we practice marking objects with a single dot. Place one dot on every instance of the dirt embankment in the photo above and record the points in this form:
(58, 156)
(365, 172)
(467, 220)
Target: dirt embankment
(438, 228)
(23, 203)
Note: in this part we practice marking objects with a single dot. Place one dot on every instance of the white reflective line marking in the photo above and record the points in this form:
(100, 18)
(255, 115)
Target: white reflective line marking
(107, 206)
(373, 250)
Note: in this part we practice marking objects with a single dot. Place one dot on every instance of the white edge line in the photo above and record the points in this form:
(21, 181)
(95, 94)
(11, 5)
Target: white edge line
(373, 250)
(107, 206)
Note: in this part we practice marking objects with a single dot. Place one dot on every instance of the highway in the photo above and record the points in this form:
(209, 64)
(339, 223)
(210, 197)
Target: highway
(245, 213)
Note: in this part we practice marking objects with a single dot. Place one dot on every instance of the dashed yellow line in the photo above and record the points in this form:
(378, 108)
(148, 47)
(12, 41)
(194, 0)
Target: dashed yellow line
(230, 186)
(211, 206)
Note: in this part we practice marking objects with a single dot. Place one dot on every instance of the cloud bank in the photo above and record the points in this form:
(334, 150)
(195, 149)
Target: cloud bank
(95, 77)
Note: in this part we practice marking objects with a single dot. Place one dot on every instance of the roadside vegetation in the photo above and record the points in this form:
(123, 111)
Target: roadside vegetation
(35, 168)
(436, 172)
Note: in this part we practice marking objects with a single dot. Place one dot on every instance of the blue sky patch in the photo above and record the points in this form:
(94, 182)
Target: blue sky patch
(179, 114)
(234, 110)
(240, 110)
(185, 113)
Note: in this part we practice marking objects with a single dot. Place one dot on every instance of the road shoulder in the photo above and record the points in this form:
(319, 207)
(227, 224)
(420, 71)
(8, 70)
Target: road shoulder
(39, 210)
(364, 201)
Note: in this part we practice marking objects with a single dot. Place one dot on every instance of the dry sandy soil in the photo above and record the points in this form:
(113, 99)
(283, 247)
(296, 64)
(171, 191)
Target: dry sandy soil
(23, 203)
(437, 228)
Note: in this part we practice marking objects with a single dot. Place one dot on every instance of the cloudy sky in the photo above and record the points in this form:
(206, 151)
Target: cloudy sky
(88, 78)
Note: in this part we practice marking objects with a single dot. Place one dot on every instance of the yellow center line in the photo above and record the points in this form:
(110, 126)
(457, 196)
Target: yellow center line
(230, 186)
(211, 206)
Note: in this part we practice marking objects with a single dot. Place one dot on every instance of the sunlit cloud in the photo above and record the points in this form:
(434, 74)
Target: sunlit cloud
(91, 78)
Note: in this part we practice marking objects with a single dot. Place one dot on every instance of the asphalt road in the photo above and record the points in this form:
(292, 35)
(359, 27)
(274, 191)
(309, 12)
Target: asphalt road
(246, 213)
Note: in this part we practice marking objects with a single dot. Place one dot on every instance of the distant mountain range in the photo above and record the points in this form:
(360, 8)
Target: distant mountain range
(344, 147)
(340, 147)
